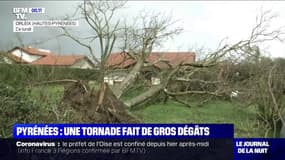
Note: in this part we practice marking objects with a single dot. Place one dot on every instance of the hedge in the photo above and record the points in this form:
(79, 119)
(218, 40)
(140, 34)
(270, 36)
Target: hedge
(18, 74)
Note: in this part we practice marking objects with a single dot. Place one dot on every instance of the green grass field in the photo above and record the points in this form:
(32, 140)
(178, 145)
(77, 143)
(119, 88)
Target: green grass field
(243, 118)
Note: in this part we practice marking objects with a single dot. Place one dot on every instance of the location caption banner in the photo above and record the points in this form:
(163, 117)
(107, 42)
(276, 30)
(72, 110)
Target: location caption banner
(23, 131)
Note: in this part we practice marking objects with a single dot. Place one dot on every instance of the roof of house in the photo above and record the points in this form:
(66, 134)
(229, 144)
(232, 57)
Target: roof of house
(58, 60)
(47, 57)
(33, 51)
(120, 60)
(123, 60)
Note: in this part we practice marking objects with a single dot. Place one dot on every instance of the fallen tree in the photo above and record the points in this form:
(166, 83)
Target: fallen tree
(139, 39)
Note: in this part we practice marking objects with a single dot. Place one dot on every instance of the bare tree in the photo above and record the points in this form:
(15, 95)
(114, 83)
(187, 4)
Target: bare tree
(267, 94)
(99, 15)
(92, 105)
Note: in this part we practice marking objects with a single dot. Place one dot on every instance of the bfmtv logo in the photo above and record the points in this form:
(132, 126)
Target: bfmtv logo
(29, 10)
(20, 10)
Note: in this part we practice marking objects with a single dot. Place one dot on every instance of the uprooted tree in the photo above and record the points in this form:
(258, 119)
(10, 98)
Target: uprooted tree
(98, 106)
(138, 40)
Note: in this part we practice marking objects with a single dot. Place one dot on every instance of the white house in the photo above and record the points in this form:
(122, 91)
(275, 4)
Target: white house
(34, 56)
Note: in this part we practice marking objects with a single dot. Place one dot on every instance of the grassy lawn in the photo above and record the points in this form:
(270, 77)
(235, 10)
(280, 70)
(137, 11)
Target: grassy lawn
(48, 94)
(214, 112)
(244, 119)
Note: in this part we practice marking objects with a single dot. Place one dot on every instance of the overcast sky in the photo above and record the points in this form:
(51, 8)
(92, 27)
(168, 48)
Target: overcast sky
(205, 23)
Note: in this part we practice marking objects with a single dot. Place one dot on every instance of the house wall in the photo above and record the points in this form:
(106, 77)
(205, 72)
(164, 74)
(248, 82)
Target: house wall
(83, 64)
(155, 81)
(114, 78)
(117, 77)
(25, 56)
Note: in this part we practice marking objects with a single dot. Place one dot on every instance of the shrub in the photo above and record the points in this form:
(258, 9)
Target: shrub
(15, 107)
(17, 75)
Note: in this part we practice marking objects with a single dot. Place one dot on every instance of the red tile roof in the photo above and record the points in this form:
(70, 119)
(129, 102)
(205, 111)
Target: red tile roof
(47, 58)
(58, 60)
(123, 60)
(120, 60)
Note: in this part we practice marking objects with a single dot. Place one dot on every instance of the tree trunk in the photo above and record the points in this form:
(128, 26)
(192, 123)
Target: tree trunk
(130, 78)
(282, 131)
(144, 96)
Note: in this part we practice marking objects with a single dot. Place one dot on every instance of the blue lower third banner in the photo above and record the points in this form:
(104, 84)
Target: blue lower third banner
(135, 141)
(123, 131)
(119, 142)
